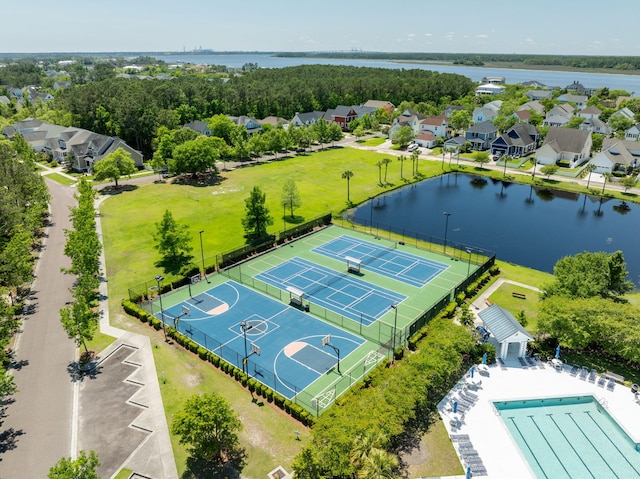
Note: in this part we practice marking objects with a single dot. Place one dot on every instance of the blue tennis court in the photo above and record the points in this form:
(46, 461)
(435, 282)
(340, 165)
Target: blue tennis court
(339, 292)
(389, 262)
(291, 355)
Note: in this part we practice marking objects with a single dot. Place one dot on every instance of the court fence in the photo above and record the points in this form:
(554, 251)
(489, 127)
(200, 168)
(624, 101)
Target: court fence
(315, 404)
(142, 292)
(385, 336)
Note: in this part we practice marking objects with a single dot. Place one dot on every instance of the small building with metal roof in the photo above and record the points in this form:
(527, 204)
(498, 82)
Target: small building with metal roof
(506, 330)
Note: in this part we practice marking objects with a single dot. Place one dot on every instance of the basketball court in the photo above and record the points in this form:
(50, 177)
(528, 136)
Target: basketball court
(286, 349)
(312, 317)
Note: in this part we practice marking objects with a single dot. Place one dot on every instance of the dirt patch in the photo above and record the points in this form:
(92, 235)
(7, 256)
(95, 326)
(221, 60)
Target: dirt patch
(191, 380)
(416, 456)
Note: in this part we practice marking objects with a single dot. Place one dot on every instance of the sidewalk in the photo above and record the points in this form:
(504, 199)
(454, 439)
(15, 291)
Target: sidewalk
(121, 414)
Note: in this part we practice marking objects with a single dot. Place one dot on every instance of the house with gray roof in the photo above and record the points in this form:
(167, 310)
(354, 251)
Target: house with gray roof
(633, 133)
(250, 124)
(307, 119)
(590, 112)
(617, 155)
(81, 148)
(481, 135)
(519, 140)
(595, 125)
(580, 101)
(201, 127)
(534, 106)
(567, 144)
(624, 112)
(537, 95)
(559, 115)
(4, 100)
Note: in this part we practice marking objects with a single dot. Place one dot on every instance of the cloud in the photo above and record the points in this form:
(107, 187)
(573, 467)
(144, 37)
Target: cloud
(530, 41)
(482, 35)
(411, 35)
(428, 34)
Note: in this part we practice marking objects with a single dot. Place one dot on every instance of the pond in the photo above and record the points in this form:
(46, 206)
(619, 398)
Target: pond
(525, 225)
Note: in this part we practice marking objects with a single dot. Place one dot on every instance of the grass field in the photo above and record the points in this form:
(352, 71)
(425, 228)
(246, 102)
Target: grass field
(63, 180)
(128, 221)
(372, 141)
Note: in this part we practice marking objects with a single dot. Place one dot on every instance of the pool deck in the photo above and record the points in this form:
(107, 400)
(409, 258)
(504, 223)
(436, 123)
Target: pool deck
(500, 455)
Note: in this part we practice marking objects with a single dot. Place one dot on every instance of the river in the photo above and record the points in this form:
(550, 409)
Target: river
(521, 224)
(630, 83)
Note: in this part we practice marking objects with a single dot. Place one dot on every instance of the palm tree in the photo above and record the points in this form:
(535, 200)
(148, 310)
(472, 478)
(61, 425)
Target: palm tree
(347, 175)
(401, 159)
(415, 156)
(362, 446)
(533, 175)
(379, 164)
(590, 167)
(379, 465)
(385, 162)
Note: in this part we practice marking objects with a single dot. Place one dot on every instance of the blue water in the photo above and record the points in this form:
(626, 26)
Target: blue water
(522, 225)
(570, 438)
(630, 83)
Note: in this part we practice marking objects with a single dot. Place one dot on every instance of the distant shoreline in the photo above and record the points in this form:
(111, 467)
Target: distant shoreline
(394, 57)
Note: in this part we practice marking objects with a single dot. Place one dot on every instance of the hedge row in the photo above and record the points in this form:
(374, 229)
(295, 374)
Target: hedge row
(450, 310)
(254, 386)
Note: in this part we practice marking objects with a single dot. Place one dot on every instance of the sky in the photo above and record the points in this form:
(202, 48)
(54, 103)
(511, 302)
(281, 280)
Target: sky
(565, 27)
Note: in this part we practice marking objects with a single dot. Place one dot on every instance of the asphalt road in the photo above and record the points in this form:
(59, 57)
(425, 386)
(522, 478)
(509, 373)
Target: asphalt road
(36, 430)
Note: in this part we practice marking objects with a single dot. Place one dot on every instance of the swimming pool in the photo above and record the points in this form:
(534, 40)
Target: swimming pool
(570, 437)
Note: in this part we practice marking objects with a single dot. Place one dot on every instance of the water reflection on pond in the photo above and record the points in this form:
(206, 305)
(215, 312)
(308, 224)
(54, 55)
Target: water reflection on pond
(526, 225)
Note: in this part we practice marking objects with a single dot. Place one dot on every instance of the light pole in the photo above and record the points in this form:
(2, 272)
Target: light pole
(370, 215)
(446, 227)
(469, 264)
(159, 279)
(395, 322)
(204, 272)
(245, 327)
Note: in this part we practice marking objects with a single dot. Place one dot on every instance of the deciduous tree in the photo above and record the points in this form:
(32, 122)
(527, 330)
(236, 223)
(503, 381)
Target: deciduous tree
(172, 239)
(549, 169)
(257, 217)
(114, 166)
(290, 196)
(84, 467)
(208, 427)
(402, 136)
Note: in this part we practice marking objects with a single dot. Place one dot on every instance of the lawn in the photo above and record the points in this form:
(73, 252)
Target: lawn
(128, 221)
(63, 180)
(504, 298)
(437, 457)
(372, 141)
(267, 435)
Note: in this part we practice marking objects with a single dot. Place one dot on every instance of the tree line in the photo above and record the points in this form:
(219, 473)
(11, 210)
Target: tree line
(479, 59)
(134, 109)
(23, 205)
